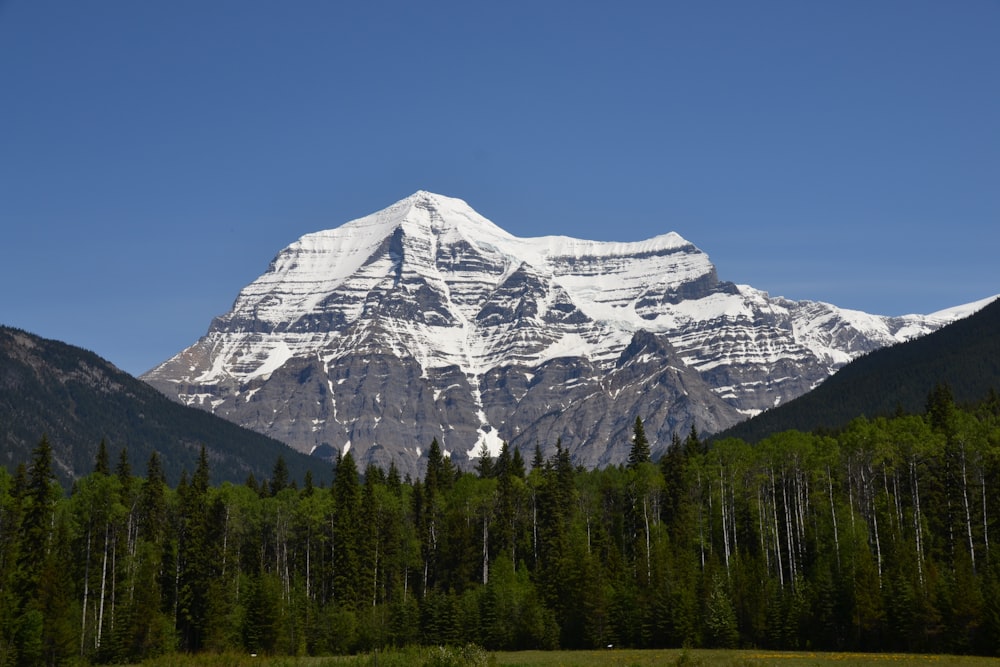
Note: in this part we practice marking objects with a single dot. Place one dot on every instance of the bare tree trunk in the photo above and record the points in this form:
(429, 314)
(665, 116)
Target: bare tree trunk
(777, 534)
(732, 517)
(645, 518)
(534, 527)
(968, 513)
(375, 575)
(725, 525)
(760, 530)
(701, 523)
(225, 542)
(789, 531)
(86, 591)
(918, 530)
(486, 550)
(833, 515)
(114, 582)
(874, 515)
(104, 577)
(986, 528)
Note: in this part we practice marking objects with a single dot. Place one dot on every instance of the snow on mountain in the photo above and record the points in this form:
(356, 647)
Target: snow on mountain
(427, 320)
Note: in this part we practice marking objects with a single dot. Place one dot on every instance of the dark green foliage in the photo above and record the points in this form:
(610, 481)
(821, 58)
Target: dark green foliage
(102, 464)
(517, 464)
(279, 476)
(878, 538)
(964, 355)
(80, 400)
(346, 532)
(639, 453)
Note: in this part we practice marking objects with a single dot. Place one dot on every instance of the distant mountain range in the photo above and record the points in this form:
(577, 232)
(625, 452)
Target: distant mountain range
(76, 399)
(964, 355)
(425, 320)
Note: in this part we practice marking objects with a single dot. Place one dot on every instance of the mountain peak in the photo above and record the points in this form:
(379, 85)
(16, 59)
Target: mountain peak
(425, 320)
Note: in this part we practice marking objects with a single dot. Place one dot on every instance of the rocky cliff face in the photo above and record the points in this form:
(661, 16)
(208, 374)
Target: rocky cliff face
(425, 320)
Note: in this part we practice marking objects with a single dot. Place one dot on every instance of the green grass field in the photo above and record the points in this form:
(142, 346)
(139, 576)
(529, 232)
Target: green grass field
(443, 657)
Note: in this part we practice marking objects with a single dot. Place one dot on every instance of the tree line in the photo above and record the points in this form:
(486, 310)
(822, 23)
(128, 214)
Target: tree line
(877, 537)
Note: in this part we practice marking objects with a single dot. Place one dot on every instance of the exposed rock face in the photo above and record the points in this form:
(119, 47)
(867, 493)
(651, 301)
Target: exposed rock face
(426, 320)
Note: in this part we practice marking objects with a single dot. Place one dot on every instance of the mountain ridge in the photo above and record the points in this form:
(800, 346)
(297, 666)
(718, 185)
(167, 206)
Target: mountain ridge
(431, 303)
(964, 355)
(77, 399)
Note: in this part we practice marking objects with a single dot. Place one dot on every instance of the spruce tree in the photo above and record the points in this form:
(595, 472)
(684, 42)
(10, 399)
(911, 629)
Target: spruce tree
(101, 463)
(347, 517)
(537, 461)
(484, 466)
(196, 566)
(392, 479)
(124, 469)
(435, 466)
(38, 504)
(639, 453)
(279, 476)
(517, 464)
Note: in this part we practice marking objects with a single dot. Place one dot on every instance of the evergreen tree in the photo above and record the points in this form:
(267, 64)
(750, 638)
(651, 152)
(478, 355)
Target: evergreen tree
(55, 601)
(279, 476)
(346, 532)
(34, 552)
(517, 464)
(484, 465)
(124, 469)
(436, 476)
(693, 445)
(639, 453)
(196, 566)
(152, 502)
(537, 461)
(101, 463)
(393, 480)
(940, 407)
(38, 507)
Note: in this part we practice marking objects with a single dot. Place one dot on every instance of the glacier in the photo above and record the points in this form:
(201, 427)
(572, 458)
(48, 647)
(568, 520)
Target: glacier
(426, 320)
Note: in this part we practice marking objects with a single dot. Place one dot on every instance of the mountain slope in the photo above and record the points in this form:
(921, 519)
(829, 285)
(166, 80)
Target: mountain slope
(965, 355)
(77, 399)
(426, 320)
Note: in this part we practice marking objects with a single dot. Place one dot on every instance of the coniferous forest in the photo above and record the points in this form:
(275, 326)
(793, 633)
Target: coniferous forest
(882, 536)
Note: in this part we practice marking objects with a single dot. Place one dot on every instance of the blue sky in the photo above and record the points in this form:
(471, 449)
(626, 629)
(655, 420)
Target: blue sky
(155, 156)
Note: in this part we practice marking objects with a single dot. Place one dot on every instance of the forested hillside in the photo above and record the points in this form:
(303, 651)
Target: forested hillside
(79, 400)
(964, 355)
(881, 538)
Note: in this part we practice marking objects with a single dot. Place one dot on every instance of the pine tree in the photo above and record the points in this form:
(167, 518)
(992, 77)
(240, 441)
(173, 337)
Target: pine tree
(484, 466)
(392, 479)
(693, 444)
(346, 536)
(124, 469)
(436, 474)
(537, 461)
(940, 407)
(101, 463)
(196, 561)
(39, 505)
(152, 502)
(33, 554)
(517, 464)
(279, 476)
(639, 453)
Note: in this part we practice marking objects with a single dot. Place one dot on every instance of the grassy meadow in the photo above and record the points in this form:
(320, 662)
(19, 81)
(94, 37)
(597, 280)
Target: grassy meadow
(475, 657)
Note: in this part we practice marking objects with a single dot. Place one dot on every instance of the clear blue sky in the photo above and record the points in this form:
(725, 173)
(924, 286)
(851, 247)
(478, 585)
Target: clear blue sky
(155, 155)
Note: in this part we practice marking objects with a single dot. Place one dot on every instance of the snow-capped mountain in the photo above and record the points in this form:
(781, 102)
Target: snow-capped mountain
(426, 320)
